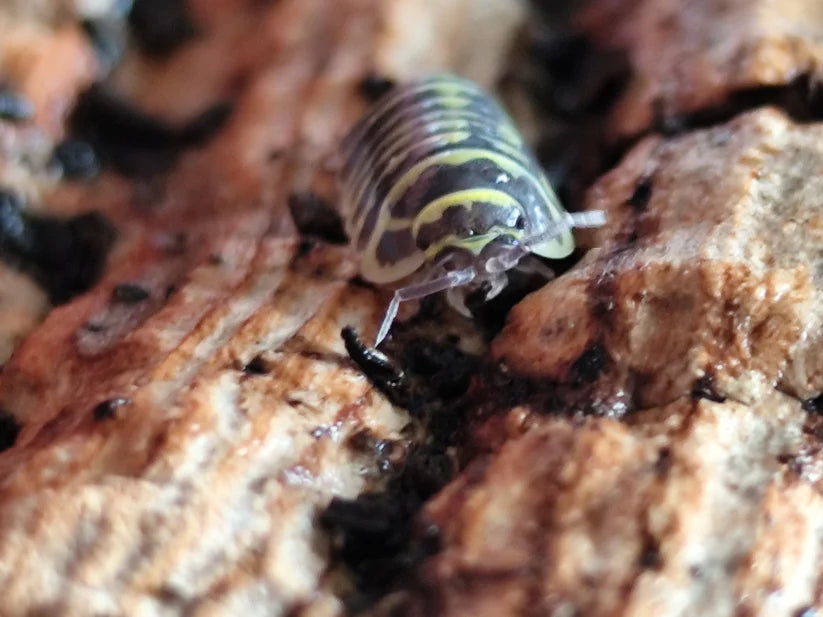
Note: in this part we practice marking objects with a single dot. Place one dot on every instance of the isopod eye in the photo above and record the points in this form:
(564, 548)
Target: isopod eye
(520, 223)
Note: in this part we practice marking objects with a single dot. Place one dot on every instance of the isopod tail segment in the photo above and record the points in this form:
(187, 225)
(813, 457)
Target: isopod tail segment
(493, 271)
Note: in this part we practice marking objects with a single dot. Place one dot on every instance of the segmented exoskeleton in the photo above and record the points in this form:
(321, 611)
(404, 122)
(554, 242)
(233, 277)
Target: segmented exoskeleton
(438, 182)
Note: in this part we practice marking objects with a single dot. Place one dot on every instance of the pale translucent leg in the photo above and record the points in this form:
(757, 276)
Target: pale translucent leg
(458, 302)
(497, 282)
(421, 290)
(594, 218)
(532, 265)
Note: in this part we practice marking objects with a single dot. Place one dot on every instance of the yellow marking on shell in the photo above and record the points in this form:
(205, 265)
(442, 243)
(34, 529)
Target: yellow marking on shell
(412, 125)
(454, 157)
(361, 177)
(401, 140)
(474, 244)
(454, 102)
(559, 247)
(444, 85)
(562, 245)
(444, 122)
(396, 224)
(456, 107)
(372, 270)
(433, 211)
(454, 96)
(401, 146)
(359, 214)
(407, 144)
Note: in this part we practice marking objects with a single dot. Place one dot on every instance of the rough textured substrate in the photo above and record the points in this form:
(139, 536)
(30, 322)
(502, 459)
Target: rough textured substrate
(688, 509)
(46, 63)
(175, 439)
(692, 59)
(709, 268)
(702, 301)
(695, 319)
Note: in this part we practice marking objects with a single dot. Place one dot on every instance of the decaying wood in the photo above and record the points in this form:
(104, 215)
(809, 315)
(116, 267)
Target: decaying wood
(700, 60)
(694, 508)
(178, 429)
(172, 436)
(708, 266)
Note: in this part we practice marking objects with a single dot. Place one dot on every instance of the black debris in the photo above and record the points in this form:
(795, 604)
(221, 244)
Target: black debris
(257, 366)
(591, 364)
(129, 293)
(9, 429)
(77, 159)
(706, 388)
(203, 126)
(65, 255)
(108, 409)
(376, 366)
(650, 558)
(813, 405)
(132, 141)
(13, 106)
(374, 86)
(642, 194)
(663, 464)
(160, 26)
(446, 370)
(15, 234)
(71, 253)
(314, 216)
(375, 533)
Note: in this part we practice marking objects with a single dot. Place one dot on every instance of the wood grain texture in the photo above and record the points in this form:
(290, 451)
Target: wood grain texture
(176, 445)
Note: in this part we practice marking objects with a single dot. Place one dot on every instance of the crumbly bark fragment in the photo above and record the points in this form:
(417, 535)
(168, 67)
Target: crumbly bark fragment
(686, 61)
(689, 509)
(45, 61)
(177, 445)
(715, 275)
(22, 306)
(201, 487)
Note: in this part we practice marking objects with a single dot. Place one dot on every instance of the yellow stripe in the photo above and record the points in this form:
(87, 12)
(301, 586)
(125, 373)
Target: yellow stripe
(456, 97)
(415, 126)
(361, 180)
(445, 85)
(411, 121)
(447, 139)
(454, 157)
(475, 244)
(398, 224)
(434, 210)
(389, 148)
(372, 270)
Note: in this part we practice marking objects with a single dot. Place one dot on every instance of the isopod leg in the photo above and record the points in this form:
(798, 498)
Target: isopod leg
(420, 290)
